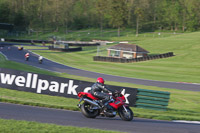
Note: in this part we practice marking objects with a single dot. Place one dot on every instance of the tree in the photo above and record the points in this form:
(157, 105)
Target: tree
(139, 9)
(143, 15)
(102, 11)
(193, 14)
(67, 15)
(118, 13)
(154, 13)
(172, 14)
(5, 12)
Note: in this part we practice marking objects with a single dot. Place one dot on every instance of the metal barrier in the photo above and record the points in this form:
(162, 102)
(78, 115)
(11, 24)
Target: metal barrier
(151, 99)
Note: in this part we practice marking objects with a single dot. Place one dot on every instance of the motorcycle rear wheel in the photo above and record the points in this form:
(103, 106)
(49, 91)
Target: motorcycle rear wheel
(87, 111)
(126, 116)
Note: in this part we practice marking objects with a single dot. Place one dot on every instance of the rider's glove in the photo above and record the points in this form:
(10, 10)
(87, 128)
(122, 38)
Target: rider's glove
(111, 99)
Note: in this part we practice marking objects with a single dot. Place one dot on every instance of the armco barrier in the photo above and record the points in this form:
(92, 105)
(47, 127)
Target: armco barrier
(70, 43)
(66, 50)
(151, 99)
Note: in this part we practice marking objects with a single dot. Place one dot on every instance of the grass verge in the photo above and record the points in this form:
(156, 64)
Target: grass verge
(11, 126)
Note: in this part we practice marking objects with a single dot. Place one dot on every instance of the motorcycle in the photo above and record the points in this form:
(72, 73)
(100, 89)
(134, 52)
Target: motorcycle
(91, 106)
(26, 58)
(40, 61)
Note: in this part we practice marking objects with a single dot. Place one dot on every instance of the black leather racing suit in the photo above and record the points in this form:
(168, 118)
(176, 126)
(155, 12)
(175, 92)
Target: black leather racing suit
(98, 90)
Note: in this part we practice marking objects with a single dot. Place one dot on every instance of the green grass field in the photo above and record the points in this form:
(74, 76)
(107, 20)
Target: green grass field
(13, 126)
(183, 67)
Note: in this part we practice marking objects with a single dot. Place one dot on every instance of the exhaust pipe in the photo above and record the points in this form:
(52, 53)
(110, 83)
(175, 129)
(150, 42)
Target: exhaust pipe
(91, 102)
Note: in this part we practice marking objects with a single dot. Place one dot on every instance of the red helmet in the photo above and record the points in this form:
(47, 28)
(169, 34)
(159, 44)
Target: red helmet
(100, 80)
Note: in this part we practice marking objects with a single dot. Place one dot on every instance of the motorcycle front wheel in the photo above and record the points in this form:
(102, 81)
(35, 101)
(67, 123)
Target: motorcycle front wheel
(87, 110)
(126, 115)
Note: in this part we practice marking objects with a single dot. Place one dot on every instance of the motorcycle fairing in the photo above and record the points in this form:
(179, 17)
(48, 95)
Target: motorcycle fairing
(89, 95)
(118, 102)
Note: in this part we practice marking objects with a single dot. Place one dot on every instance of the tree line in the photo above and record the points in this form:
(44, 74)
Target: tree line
(63, 15)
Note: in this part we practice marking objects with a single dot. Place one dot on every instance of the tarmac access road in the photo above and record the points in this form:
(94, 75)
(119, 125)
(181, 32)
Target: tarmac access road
(75, 118)
(14, 54)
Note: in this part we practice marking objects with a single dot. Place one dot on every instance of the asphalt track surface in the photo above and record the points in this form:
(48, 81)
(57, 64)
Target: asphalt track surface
(75, 118)
(18, 56)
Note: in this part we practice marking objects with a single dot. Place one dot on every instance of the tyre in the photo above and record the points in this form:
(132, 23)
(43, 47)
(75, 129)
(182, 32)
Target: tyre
(87, 110)
(126, 116)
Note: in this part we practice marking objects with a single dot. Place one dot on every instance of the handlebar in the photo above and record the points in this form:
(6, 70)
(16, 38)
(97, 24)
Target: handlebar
(117, 94)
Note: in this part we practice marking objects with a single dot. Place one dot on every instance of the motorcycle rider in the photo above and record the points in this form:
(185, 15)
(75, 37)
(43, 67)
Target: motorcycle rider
(27, 56)
(40, 59)
(98, 90)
